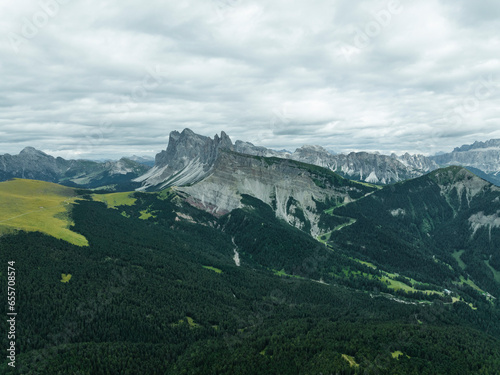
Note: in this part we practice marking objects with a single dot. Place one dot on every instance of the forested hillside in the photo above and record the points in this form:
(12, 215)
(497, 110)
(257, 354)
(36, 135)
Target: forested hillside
(158, 291)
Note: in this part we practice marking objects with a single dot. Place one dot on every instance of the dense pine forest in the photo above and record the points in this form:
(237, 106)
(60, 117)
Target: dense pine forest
(157, 291)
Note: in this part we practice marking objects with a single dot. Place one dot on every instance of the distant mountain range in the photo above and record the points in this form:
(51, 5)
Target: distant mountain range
(190, 157)
(37, 165)
(145, 160)
(482, 158)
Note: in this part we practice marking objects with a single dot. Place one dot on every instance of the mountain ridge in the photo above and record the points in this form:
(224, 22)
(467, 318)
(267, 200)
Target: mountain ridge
(292, 188)
(484, 156)
(360, 166)
(190, 157)
(34, 164)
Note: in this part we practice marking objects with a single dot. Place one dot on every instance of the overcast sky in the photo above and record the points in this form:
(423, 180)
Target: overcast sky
(90, 79)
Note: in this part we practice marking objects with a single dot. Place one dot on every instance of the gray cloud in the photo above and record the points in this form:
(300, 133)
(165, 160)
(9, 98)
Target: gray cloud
(104, 79)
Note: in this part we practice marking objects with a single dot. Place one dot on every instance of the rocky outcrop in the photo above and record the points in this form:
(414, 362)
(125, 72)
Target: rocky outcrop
(292, 189)
(189, 158)
(361, 166)
(368, 167)
(419, 163)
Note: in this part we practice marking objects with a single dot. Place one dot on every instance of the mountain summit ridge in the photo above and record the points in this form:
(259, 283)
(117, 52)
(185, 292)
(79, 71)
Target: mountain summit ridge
(189, 158)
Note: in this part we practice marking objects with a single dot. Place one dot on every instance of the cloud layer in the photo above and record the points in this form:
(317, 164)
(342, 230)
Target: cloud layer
(105, 79)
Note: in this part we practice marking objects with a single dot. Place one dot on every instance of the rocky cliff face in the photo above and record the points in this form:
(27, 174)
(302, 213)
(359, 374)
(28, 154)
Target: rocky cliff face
(189, 158)
(316, 155)
(360, 166)
(481, 155)
(37, 165)
(32, 164)
(419, 163)
(292, 189)
(368, 167)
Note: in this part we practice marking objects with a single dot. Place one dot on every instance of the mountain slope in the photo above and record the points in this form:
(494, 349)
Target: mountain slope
(294, 190)
(442, 227)
(162, 293)
(45, 207)
(37, 165)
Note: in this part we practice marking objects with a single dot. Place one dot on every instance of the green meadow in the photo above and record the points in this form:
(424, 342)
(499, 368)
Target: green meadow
(114, 200)
(37, 206)
(216, 270)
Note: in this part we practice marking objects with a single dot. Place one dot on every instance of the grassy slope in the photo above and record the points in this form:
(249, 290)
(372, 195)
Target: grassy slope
(114, 200)
(38, 206)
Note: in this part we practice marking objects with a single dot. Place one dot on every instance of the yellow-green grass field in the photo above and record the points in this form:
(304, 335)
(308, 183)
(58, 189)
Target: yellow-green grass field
(496, 274)
(65, 278)
(216, 270)
(389, 279)
(350, 360)
(470, 283)
(38, 206)
(398, 354)
(457, 255)
(190, 321)
(146, 214)
(378, 187)
(114, 200)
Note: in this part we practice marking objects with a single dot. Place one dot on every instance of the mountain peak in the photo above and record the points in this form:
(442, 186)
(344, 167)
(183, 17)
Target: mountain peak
(460, 185)
(32, 151)
(477, 145)
(312, 148)
(188, 158)
(453, 174)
